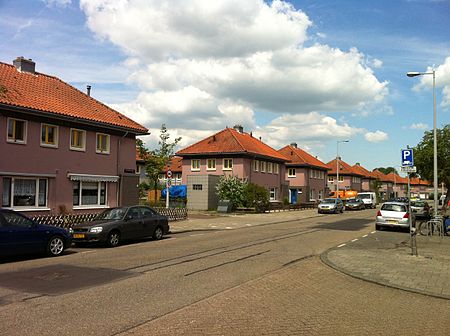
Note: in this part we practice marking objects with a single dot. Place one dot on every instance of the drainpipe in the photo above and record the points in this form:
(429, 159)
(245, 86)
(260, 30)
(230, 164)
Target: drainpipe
(118, 167)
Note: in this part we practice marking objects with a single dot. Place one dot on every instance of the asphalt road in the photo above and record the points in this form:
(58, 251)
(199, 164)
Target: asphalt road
(262, 280)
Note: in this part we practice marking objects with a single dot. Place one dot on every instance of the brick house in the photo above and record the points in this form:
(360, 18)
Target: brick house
(349, 179)
(62, 150)
(366, 177)
(231, 152)
(306, 174)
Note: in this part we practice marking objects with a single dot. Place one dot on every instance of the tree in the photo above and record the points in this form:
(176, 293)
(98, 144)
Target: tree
(157, 160)
(256, 196)
(387, 170)
(424, 154)
(375, 185)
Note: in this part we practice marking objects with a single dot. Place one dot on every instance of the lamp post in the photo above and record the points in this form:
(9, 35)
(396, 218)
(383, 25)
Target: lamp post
(337, 165)
(435, 180)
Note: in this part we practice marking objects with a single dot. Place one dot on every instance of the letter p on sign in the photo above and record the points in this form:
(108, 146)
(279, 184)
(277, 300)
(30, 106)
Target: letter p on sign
(407, 157)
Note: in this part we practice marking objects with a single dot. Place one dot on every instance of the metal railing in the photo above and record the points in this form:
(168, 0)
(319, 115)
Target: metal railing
(433, 226)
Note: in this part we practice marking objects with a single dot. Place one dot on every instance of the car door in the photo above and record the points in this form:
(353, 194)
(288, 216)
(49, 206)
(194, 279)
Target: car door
(22, 234)
(132, 226)
(151, 220)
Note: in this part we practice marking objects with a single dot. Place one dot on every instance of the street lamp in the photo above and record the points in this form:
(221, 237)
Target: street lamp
(435, 180)
(337, 165)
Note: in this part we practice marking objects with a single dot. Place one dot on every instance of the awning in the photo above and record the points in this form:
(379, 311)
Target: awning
(92, 178)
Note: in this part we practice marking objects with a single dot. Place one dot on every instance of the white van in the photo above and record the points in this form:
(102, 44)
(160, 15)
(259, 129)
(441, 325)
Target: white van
(369, 198)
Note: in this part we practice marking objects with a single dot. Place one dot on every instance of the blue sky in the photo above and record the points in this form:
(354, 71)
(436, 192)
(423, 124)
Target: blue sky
(310, 72)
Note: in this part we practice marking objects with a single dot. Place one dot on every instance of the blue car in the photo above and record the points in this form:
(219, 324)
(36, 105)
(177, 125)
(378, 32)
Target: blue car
(20, 235)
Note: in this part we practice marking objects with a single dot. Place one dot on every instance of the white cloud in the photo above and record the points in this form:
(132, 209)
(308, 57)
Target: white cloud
(419, 126)
(204, 64)
(377, 136)
(376, 63)
(442, 81)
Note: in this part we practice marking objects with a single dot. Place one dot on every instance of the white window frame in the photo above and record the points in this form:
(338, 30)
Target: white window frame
(269, 167)
(330, 178)
(108, 141)
(138, 169)
(25, 132)
(195, 165)
(255, 165)
(91, 206)
(56, 135)
(341, 178)
(290, 171)
(273, 194)
(83, 147)
(211, 164)
(276, 169)
(262, 166)
(36, 205)
(227, 164)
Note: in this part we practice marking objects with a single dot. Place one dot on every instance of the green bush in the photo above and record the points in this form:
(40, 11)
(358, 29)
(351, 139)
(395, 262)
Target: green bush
(231, 188)
(256, 196)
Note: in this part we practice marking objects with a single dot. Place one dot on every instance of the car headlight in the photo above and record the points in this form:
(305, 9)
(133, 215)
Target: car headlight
(70, 230)
(96, 229)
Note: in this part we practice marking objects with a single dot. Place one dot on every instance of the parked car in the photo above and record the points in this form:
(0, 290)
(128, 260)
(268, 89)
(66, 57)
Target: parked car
(21, 235)
(331, 205)
(354, 204)
(121, 223)
(393, 214)
(421, 209)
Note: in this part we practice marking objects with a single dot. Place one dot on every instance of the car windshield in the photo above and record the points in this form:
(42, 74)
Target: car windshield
(394, 207)
(418, 203)
(329, 201)
(115, 213)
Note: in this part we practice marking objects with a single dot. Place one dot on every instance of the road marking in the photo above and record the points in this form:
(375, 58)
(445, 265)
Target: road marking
(354, 240)
(373, 231)
(342, 245)
(365, 235)
(248, 224)
(228, 228)
(197, 234)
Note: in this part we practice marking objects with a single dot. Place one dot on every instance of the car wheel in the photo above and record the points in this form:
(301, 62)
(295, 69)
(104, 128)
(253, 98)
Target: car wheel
(113, 239)
(55, 246)
(158, 233)
(378, 227)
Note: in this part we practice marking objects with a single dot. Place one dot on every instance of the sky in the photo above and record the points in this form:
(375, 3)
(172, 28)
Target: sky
(310, 72)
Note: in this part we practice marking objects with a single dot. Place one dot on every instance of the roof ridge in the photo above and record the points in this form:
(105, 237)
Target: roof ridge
(195, 143)
(232, 131)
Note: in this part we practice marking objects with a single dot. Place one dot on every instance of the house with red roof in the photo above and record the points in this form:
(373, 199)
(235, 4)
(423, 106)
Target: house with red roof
(366, 177)
(231, 152)
(62, 150)
(306, 174)
(349, 178)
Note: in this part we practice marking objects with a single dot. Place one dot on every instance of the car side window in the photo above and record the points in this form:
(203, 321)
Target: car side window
(147, 213)
(134, 213)
(15, 220)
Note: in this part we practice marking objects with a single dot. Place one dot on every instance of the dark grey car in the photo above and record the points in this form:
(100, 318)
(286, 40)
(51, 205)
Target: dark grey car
(122, 223)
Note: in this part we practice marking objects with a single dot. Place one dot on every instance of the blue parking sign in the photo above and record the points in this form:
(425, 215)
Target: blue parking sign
(407, 157)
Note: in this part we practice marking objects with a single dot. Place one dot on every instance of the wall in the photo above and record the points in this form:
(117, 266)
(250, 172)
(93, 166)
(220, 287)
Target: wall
(206, 198)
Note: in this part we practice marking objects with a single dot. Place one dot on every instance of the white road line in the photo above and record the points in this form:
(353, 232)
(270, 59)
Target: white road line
(365, 235)
(354, 240)
(228, 228)
(248, 224)
(342, 245)
(197, 234)
(373, 231)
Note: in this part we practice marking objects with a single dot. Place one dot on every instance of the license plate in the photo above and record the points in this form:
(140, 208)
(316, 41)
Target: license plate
(78, 235)
(392, 222)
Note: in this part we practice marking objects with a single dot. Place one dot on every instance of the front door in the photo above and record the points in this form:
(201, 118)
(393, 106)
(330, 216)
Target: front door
(293, 193)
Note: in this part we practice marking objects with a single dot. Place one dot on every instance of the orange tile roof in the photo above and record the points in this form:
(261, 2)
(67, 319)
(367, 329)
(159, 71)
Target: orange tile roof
(41, 92)
(395, 178)
(230, 141)
(418, 181)
(380, 176)
(344, 168)
(298, 156)
(362, 171)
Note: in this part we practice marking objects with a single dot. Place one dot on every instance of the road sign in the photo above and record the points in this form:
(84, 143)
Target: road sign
(408, 169)
(169, 174)
(407, 157)
(169, 182)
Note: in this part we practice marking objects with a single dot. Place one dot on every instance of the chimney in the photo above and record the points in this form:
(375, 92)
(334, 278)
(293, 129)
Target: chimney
(294, 144)
(24, 65)
(239, 128)
(358, 164)
(88, 90)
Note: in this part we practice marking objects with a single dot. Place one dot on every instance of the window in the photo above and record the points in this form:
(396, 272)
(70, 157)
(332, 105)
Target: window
(197, 186)
(291, 172)
(89, 193)
(102, 143)
(275, 168)
(211, 164)
(272, 194)
(77, 139)
(138, 169)
(320, 196)
(269, 167)
(49, 135)
(341, 178)
(262, 166)
(227, 164)
(195, 165)
(24, 192)
(17, 131)
(330, 178)
(255, 165)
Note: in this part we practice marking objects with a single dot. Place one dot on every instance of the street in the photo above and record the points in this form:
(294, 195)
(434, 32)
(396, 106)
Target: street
(261, 280)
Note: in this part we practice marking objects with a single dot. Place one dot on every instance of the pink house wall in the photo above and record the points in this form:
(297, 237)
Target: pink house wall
(32, 158)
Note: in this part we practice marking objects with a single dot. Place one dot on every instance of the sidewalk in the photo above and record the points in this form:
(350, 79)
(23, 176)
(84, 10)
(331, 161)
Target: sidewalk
(382, 257)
